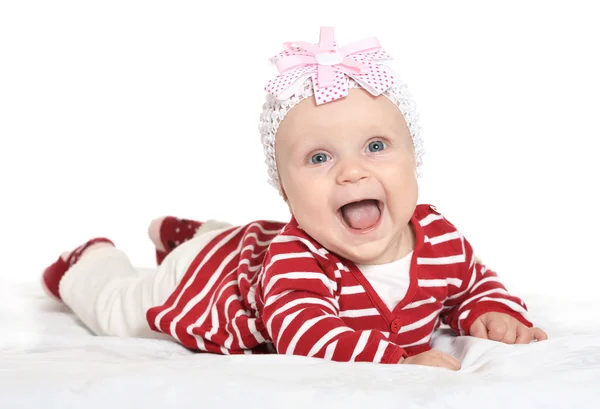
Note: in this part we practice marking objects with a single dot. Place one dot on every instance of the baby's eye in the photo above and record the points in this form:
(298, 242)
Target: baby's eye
(376, 146)
(318, 158)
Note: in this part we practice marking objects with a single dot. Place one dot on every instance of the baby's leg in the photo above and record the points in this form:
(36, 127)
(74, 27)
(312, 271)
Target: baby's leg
(109, 295)
(169, 232)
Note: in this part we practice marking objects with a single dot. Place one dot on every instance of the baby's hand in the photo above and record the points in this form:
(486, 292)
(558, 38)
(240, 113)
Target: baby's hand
(504, 328)
(433, 358)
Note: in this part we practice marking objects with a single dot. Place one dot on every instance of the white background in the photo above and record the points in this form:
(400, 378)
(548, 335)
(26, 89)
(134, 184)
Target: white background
(116, 112)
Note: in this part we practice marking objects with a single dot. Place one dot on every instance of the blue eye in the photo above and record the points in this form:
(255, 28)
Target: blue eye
(318, 158)
(376, 146)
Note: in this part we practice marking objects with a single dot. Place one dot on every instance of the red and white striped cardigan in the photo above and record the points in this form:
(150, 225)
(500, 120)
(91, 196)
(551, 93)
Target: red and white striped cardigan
(268, 287)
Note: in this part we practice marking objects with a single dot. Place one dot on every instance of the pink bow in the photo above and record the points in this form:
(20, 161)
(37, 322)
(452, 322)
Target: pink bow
(330, 67)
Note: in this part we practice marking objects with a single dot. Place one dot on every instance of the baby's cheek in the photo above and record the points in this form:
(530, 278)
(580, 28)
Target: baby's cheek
(402, 193)
(309, 203)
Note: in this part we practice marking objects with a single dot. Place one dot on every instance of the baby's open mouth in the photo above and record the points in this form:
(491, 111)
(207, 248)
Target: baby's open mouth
(361, 215)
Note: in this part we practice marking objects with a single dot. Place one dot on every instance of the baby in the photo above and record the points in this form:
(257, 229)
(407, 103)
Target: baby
(361, 272)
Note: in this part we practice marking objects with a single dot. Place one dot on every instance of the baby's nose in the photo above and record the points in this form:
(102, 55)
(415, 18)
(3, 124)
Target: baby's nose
(351, 171)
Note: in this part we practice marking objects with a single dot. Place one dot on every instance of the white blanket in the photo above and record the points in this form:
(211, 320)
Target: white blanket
(49, 360)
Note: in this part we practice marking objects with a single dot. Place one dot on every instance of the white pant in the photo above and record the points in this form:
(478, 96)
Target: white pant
(111, 297)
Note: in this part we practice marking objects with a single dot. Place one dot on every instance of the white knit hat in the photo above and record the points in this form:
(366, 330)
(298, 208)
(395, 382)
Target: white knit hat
(300, 77)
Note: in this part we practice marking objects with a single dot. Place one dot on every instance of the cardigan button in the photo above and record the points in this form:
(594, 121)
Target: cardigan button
(396, 326)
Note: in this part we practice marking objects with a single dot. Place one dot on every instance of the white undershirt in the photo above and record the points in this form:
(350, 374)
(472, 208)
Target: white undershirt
(390, 281)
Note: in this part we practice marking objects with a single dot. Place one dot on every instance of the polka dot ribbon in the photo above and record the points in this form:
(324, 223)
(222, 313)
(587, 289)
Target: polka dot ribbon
(329, 66)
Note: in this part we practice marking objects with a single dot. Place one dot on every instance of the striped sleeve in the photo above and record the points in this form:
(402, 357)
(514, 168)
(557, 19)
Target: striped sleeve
(301, 312)
(481, 292)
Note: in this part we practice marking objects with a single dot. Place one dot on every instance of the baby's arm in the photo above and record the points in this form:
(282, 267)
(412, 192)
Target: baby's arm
(301, 312)
(481, 292)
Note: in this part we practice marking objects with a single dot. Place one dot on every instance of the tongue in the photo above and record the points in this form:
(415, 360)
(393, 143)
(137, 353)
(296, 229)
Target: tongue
(361, 215)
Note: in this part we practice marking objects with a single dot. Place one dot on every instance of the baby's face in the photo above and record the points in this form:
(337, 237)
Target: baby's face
(348, 172)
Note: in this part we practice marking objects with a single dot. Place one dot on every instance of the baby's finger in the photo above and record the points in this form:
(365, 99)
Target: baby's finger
(524, 335)
(496, 330)
(539, 334)
(451, 362)
(478, 330)
(510, 335)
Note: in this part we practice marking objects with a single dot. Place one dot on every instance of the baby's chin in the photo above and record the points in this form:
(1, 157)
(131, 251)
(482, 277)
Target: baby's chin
(377, 245)
(370, 252)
